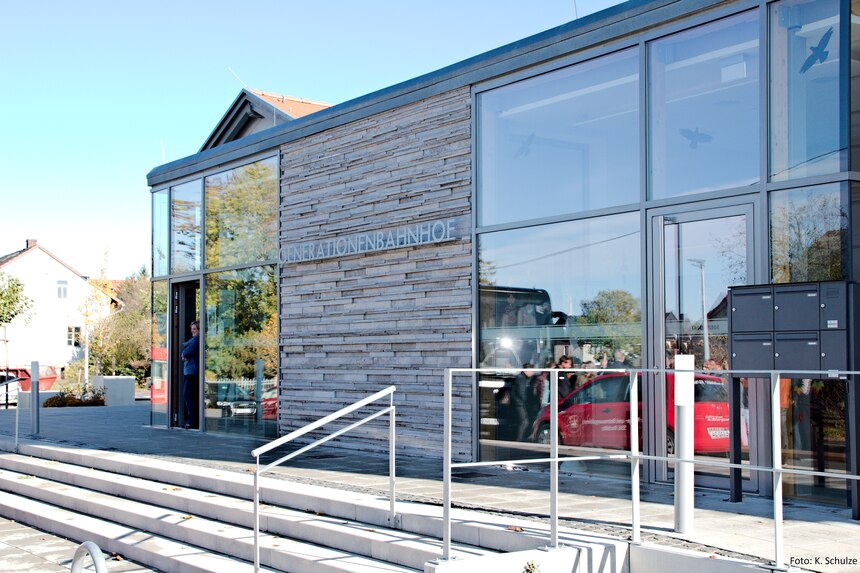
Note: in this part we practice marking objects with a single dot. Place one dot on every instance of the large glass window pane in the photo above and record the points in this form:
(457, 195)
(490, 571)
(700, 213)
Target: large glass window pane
(158, 354)
(805, 134)
(241, 393)
(855, 84)
(563, 142)
(704, 108)
(160, 232)
(186, 227)
(809, 234)
(812, 414)
(242, 215)
(568, 289)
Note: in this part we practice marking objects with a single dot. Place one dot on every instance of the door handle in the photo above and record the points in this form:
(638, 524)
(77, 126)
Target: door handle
(606, 410)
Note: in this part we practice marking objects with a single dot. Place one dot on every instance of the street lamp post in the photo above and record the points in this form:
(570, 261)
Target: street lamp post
(701, 264)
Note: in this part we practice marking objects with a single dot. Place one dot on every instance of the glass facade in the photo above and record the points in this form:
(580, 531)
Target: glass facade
(158, 354)
(573, 287)
(186, 229)
(241, 349)
(807, 135)
(160, 232)
(222, 237)
(809, 234)
(558, 143)
(241, 215)
(704, 108)
(569, 289)
(854, 96)
(812, 413)
(701, 259)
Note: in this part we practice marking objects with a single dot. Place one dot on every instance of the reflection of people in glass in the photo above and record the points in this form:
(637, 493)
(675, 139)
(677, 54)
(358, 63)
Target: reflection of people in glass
(565, 386)
(745, 412)
(519, 403)
(509, 318)
(190, 371)
(801, 415)
(618, 360)
(784, 403)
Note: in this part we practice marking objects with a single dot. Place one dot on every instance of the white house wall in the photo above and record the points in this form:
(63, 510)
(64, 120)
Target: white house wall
(44, 337)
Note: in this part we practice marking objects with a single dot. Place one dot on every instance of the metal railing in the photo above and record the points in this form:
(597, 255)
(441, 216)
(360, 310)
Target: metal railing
(389, 391)
(633, 454)
(7, 391)
(91, 549)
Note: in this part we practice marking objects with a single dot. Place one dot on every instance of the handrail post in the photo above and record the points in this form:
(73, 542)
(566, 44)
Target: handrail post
(446, 468)
(634, 458)
(776, 435)
(553, 446)
(257, 515)
(34, 398)
(391, 461)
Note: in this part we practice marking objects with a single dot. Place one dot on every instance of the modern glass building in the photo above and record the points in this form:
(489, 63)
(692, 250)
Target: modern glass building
(589, 193)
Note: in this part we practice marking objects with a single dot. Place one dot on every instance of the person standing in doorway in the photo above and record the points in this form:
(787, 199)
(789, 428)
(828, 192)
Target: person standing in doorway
(191, 372)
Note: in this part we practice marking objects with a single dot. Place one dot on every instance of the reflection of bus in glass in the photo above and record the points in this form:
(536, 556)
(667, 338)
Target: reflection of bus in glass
(515, 326)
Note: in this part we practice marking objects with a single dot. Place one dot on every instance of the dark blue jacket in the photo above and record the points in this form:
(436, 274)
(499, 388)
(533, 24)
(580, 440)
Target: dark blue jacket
(191, 353)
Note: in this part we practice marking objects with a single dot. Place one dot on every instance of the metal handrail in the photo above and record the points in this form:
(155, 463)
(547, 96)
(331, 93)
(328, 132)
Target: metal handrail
(6, 393)
(390, 410)
(89, 547)
(633, 454)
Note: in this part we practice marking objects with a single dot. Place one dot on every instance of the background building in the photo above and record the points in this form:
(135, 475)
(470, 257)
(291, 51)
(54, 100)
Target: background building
(64, 304)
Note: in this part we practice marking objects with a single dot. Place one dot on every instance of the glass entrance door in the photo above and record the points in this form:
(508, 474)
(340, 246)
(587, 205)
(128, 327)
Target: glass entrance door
(184, 387)
(697, 255)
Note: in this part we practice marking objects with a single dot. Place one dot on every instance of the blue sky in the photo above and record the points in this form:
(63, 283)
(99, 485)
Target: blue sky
(92, 89)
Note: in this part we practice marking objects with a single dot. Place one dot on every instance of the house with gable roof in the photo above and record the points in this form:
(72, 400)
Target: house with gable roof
(63, 301)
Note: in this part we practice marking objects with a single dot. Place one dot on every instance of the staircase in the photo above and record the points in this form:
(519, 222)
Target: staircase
(188, 518)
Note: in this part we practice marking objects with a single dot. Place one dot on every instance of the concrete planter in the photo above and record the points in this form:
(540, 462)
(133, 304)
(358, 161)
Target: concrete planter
(119, 390)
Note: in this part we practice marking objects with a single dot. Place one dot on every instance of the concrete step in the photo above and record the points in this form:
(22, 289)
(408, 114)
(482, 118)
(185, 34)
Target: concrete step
(276, 552)
(390, 545)
(468, 527)
(140, 546)
(417, 528)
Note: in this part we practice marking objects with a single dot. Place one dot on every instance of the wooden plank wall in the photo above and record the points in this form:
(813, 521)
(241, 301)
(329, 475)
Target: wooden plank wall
(352, 325)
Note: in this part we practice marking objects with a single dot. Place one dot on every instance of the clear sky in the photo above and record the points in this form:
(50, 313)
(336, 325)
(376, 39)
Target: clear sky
(92, 91)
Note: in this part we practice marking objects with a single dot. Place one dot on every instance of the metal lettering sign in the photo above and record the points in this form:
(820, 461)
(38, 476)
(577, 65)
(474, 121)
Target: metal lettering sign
(426, 233)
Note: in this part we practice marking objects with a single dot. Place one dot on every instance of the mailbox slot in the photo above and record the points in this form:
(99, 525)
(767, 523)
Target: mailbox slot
(751, 309)
(753, 351)
(796, 307)
(797, 351)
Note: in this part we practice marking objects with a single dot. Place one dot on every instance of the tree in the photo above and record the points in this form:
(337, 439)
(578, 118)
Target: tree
(13, 301)
(611, 307)
(612, 318)
(120, 342)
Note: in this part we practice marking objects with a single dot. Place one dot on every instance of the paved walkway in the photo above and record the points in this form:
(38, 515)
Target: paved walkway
(813, 533)
(29, 550)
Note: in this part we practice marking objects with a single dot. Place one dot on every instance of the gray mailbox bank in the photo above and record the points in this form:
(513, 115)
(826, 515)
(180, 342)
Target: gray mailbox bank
(793, 328)
(790, 327)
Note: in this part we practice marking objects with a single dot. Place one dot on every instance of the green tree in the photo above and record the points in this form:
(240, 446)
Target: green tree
(611, 320)
(120, 343)
(611, 307)
(13, 301)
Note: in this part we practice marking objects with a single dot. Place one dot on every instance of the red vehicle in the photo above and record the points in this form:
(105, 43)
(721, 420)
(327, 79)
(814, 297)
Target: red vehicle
(597, 414)
(47, 377)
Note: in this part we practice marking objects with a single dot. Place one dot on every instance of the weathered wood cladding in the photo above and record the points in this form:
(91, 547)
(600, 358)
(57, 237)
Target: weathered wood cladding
(354, 324)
